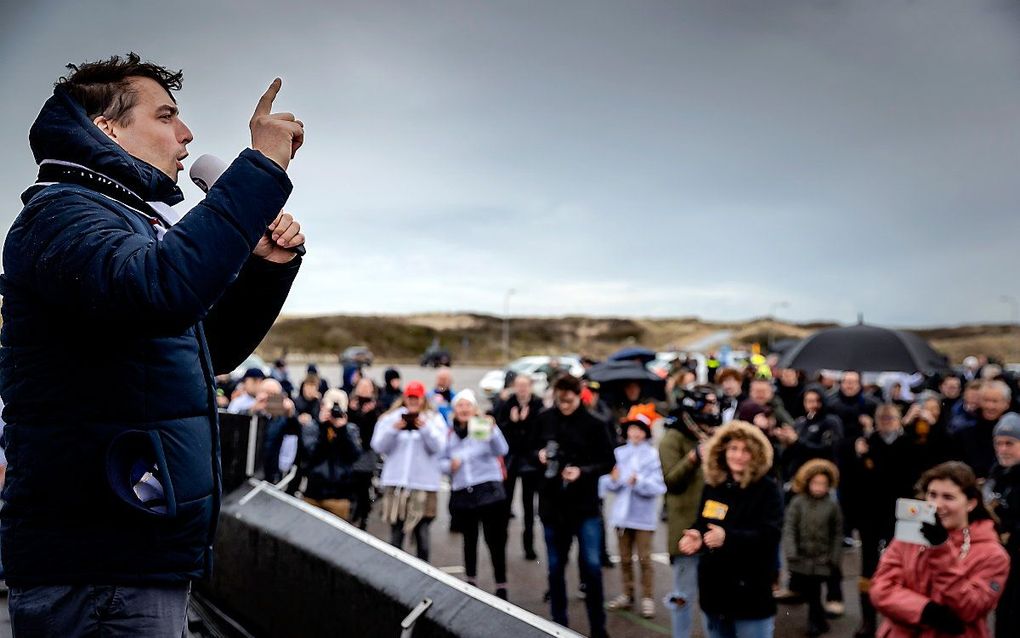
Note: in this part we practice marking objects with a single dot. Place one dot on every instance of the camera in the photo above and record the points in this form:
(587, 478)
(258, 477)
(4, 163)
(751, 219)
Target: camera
(694, 404)
(336, 412)
(552, 460)
(410, 420)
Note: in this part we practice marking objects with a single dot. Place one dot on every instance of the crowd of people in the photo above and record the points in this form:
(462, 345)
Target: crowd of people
(764, 478)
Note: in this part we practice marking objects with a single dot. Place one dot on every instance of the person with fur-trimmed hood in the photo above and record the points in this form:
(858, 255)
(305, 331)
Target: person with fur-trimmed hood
(737, 533)
(813, 536)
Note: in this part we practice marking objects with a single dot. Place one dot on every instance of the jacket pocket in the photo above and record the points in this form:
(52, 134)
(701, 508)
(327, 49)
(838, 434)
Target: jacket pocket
(137, 472)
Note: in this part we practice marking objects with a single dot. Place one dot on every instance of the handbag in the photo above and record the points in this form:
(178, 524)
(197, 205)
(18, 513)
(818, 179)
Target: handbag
(477, 496)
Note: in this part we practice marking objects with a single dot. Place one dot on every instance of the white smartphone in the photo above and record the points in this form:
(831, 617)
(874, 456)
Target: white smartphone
(910, 515)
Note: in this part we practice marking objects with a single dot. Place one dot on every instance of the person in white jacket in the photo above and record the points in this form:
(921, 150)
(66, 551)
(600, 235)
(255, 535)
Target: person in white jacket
(411, 437)
(637, 482)
(473, 459)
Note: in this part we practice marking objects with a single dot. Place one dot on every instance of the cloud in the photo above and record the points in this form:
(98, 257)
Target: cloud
(664, 158)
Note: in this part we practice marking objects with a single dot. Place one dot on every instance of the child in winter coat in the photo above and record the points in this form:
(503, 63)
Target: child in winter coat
(813, 536)
(637, 481)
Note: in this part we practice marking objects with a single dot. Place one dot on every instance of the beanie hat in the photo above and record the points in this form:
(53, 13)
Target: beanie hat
(391, 374)
(1009, 425)
(465, 395)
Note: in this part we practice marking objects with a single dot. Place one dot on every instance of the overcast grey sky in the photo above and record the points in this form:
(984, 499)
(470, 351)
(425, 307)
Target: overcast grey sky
(642, 158)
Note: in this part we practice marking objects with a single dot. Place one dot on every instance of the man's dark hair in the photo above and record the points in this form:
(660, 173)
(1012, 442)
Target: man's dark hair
(104, 88)
(568, 383)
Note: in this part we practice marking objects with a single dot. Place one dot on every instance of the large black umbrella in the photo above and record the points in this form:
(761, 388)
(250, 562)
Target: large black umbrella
(613, 375)
(864, 348)
(633, 353)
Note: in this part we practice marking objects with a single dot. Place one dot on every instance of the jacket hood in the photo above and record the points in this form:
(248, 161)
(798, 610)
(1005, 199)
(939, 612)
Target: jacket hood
(62, 131)
(715, 454)
(811, 469)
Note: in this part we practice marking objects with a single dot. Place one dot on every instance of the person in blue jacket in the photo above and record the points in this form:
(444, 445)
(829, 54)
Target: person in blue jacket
(112, 497)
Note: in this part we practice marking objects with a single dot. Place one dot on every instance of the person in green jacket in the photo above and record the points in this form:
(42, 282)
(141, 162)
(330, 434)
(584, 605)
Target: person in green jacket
(694, 420)
(813, 536)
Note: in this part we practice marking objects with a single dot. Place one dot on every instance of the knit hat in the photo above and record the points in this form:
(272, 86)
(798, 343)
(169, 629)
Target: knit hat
(465, 395)
(1009, 425)
(641, 416)
(390, 374)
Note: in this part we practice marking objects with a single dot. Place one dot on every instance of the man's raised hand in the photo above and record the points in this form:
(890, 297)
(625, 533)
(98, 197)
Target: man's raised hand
(278, 136)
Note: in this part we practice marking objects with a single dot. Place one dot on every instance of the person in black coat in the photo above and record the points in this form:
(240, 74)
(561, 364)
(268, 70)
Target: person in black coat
(331, 445)
(737, 533)
(887, 468)
(1001, 494)
(364, 412)
(574, 450)
(518, 419)
(816, 435)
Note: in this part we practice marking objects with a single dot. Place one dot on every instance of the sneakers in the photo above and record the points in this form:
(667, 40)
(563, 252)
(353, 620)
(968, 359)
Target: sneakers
(501, 593)
(623, 601)
(647, 608)
(834, 608)
(784, 595)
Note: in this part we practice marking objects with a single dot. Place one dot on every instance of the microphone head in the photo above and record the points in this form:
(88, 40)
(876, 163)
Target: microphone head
(206, 170)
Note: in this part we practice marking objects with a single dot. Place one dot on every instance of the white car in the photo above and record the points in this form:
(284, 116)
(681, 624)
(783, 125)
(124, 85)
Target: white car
(253, 361)
(493, 381)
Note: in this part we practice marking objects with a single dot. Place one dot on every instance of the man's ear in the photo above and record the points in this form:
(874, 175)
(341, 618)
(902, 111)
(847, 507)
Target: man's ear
(105, 125)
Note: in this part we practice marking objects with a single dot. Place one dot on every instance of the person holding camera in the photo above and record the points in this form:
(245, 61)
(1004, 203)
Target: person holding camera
(948, 587)
(331, 446)
(280, 447)
(477, 497)
(695, 418)
(411, 437)
(574, 449)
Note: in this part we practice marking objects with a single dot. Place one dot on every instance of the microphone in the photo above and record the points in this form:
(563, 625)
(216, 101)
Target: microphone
(207, 169)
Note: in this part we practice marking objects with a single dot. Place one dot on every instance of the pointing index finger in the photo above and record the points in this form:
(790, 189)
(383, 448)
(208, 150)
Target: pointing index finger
(265, 105)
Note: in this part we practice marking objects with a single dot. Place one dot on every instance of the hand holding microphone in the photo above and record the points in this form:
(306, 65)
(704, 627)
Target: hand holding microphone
(283, 239)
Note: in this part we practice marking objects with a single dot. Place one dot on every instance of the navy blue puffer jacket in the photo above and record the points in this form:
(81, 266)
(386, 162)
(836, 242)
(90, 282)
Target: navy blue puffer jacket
(109, 344)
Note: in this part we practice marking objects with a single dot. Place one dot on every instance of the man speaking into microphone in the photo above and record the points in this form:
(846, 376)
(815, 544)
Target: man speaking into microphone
(113, 490)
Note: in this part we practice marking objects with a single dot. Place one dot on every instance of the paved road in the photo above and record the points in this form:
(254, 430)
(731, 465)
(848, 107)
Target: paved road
(528, 579)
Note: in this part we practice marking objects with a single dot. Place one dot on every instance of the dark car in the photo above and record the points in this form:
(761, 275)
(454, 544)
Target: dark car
(436, 358)
(360, 355)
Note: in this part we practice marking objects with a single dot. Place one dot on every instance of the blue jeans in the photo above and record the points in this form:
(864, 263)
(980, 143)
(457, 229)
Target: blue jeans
(99, 610)
(558, 540)
(685, 590)
(717, 627)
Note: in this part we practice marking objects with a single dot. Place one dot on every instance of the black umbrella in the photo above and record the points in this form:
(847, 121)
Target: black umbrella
(864, 348)
(644, 355)
(612, 375)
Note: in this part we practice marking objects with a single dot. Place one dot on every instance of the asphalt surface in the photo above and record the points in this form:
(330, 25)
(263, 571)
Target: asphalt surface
(527, 579)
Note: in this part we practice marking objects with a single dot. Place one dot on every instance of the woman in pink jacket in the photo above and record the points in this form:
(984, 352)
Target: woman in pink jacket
(947, 589)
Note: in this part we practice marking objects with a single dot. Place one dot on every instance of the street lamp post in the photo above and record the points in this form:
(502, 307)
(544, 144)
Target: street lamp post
(506, 324)
(772, 318)
(1014, 318)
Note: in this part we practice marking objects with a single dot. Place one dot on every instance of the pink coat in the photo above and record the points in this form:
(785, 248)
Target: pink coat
(909, 576)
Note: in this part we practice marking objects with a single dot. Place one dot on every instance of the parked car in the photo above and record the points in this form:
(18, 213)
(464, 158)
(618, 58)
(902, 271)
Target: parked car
(663, 362)
(253, 361)
(492, 382)
(360, 355)
(436, 358)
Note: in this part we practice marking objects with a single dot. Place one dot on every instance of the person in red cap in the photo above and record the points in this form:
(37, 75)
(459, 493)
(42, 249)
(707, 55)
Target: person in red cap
(411, 437)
